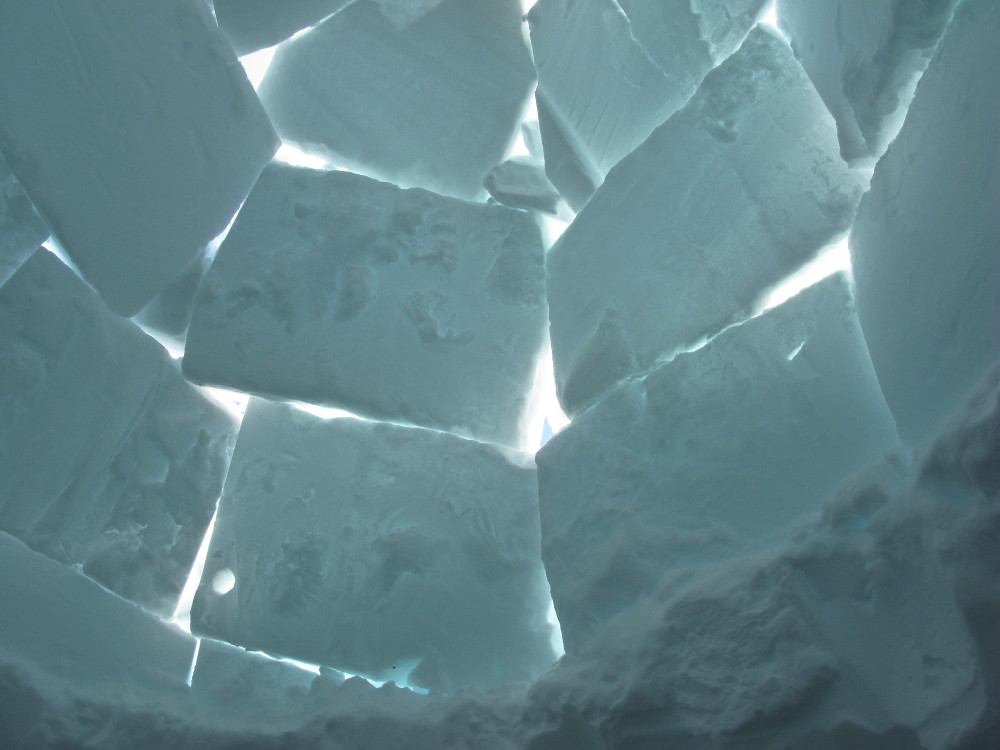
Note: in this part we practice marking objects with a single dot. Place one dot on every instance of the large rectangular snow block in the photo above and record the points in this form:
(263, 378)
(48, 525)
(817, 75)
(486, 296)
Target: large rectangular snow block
(333, 288)
(57, 621)
(609, 72)
(378, 549)
(925, 246)
(421, 94)
(720, 448)
(865, 57)
(109, 459)
(21, 228)
(734, 192)
(134, 130)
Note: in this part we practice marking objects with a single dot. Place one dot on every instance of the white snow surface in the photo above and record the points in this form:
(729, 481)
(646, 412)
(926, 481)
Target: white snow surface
(333, 288)
(434, 103)
(378, 550)
(133, 128)
(109, 459)
(22, 230)
(926, 244)
(755, 145)
(713, 452)
(865, 58)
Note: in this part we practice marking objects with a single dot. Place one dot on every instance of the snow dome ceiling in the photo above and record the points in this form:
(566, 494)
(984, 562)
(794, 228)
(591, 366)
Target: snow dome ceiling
(750, 250)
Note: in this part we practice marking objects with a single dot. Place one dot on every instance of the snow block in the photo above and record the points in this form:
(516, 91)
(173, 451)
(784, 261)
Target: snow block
(708, 454)
(520, 182)
(725, 199)
(610, 72)
(69, 627)
(252, 25)
(431, 103)
(924, 247)
(378, 550)
(333, 288)
(109, 459)
(137, 134)
(865, 58)
(21, 228)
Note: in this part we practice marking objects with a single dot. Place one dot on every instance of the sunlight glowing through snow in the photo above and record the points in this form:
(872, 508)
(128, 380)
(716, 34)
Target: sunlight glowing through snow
(256, 65)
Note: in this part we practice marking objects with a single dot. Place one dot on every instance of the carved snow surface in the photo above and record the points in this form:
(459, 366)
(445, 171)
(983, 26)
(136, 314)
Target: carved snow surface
(719, 449)
(378, 550)
(925, 245)
(333, 288)
(134, 130)
(252, 25)
(725, 199)
(109, 459)
(432, 103)
(609, 72)
(21, 228)
(865, 57)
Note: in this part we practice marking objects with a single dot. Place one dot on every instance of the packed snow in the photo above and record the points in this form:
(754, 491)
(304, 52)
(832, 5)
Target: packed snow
(758, 268)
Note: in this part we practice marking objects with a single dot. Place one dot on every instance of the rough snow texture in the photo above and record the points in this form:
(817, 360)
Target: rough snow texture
(109, 460)
(718, 449)
(229, 679)
(433, 103)
(62, 624)
(865, 57)
(520, 182)
(649, 266)
(925, 245)
(252, 25)
(398, 304)
(133, 129)
(21, 228)
(872, 627)
(378, 549)
(607, 79)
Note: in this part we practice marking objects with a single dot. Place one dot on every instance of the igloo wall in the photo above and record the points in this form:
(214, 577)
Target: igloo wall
(772, 520)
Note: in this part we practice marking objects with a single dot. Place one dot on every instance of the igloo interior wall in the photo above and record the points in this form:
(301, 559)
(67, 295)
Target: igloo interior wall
(617, 374)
